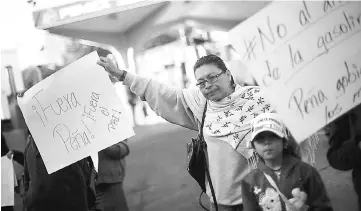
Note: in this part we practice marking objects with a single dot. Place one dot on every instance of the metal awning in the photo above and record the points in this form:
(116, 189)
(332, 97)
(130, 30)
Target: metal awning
(117, 23)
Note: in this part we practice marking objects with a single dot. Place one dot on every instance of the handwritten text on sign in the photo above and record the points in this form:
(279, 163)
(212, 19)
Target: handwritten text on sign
(74, 113)
(306, 53)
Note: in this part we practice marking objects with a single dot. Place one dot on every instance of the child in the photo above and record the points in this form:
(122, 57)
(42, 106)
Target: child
(281, 182)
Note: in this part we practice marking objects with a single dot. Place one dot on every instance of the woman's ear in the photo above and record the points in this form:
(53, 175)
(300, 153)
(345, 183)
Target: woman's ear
(229, 74)
(231, 78)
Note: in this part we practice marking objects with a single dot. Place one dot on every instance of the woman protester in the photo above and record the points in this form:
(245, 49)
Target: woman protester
(230, 108)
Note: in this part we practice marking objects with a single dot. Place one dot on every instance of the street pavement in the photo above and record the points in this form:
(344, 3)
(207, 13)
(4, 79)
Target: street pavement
(157, 177)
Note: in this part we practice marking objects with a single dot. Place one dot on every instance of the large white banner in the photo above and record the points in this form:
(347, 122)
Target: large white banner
(74, 113)
(306, 56)
(7, 182)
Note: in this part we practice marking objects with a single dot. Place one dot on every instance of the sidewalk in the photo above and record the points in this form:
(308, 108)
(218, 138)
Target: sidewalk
(157, 179)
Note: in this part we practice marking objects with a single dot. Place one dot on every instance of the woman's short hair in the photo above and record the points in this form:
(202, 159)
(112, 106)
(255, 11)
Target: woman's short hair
(210, 59)
(213, 60)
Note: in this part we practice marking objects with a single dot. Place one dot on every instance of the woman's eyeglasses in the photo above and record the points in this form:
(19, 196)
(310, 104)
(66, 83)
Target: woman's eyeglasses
(210, 79)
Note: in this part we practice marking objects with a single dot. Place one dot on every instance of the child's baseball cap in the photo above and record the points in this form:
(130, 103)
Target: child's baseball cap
(268, 122)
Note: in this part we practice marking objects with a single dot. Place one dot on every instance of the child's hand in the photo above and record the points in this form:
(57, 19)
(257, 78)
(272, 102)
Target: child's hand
(299, 199)
(298, 203)
(297, 193)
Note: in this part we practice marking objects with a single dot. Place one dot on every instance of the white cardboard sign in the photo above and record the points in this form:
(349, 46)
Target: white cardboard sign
(306, 55)
(74, 113)
(7, 182)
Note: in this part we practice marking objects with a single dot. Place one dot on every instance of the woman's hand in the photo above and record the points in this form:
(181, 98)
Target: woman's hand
(110, 67)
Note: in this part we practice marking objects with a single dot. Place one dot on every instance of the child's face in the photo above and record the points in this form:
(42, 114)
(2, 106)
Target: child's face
(268, 145)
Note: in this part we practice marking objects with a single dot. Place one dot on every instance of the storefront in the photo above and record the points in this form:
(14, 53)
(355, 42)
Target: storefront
(128, 28)
(131, 24)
